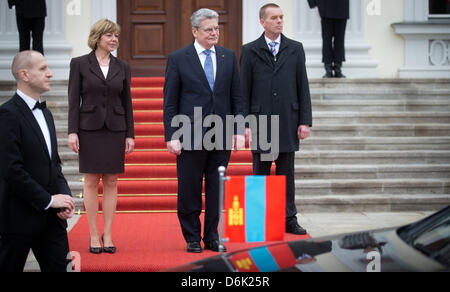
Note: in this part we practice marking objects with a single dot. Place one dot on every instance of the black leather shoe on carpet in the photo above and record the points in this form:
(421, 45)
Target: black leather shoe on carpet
(214, 246)
(194, 247)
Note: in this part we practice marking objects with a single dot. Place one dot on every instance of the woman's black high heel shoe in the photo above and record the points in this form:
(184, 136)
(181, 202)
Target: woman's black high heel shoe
(110, 249)
(94, 250)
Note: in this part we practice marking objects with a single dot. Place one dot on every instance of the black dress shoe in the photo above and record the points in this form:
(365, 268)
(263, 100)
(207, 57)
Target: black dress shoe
(328, 71)
(338, 71)
(295, 229)
(94, 250)
(214, 246)
(194, 247)
(109, 249)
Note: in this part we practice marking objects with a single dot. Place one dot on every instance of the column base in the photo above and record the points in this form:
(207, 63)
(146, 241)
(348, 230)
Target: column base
(57, 54)
(359, 64)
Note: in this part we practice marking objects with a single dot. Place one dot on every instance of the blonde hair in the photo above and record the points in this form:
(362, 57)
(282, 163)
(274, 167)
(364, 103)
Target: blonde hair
(101, 27)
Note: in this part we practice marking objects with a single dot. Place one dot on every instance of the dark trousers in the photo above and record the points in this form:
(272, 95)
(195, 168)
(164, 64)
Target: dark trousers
(31, 27)
(285, 165)
(333, 36)
(50, 247)
(192, 166)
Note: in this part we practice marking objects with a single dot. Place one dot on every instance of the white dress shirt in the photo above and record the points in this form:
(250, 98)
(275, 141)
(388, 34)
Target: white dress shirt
(39, 115)
(200, 51)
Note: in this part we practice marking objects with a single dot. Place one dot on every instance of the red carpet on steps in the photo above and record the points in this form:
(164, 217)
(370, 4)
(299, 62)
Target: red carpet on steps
(146, 229)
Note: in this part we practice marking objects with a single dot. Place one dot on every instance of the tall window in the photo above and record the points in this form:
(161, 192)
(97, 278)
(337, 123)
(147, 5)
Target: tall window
(439, 8)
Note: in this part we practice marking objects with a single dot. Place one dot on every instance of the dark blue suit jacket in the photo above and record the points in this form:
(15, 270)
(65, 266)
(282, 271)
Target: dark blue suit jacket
(186, 87)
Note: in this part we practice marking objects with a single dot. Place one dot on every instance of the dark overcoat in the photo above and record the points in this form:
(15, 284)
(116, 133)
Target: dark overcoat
(29, 8)
(277, 88)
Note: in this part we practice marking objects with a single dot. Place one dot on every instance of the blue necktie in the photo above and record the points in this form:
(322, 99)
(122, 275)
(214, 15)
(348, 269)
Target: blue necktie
(273, 48)
(209, 69)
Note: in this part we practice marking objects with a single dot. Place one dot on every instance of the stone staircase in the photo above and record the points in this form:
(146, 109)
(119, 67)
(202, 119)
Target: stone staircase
(376, 145)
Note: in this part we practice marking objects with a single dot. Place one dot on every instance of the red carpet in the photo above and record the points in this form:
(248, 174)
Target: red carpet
(145, 243)
(146, 229)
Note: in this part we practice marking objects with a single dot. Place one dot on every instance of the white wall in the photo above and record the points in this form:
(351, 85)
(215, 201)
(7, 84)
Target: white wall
(78, 25)
(387, 48)
(252, 28)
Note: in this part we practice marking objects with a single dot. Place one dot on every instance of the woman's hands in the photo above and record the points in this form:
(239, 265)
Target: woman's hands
(129, 145)
(74, 143)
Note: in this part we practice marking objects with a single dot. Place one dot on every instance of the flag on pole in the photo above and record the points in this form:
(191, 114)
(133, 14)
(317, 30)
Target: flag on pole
(255, 208)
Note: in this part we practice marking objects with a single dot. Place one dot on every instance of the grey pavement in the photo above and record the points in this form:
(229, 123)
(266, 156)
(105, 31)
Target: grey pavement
(321, 224)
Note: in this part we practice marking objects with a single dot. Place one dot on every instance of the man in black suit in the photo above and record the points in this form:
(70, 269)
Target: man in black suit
(275, 83)
(201, 80)
(334, 14)
(35, 199)
(30, 17)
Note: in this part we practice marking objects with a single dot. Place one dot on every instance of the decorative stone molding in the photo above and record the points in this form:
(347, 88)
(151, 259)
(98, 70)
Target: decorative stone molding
(427, 41)
(427, 49)
(439, 52)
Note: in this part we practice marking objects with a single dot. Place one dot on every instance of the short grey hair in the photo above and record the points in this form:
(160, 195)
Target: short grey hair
(200, 15)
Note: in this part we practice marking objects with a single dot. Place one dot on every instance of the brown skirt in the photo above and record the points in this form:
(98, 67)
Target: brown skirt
(102, 152)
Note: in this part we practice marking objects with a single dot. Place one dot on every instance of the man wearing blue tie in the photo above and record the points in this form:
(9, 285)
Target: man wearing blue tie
(202, 77)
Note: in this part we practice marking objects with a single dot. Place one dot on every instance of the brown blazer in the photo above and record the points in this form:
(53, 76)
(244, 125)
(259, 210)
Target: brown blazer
(95, 102)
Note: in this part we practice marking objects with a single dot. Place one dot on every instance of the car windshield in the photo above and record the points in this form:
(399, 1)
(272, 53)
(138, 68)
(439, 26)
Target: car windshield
(431, 236)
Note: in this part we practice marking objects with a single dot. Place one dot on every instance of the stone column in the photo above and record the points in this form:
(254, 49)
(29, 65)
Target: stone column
(308, 30)
(104, 9)
(56, 48)
(252, 29)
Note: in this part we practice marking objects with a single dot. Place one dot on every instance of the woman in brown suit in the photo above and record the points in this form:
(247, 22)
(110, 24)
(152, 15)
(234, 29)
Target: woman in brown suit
(101, 126)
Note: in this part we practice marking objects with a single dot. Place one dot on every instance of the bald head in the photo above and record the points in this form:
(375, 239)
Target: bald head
(23, 60)
(31, 71)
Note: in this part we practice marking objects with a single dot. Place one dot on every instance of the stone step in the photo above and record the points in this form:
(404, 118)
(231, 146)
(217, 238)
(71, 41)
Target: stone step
(327, 118)
(380, 86)
(372, 157)
(372, 186)
(356, 130)
(305, 158)
(375, 143)
(371, 202)
(352, 105)
(60, 95)
(391, 95)
(343, 117)
(383, 130)
(382, 105)
(393, 171)
(351, 144)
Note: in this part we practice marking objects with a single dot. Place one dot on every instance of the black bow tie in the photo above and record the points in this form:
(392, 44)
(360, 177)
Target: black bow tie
(40, 105)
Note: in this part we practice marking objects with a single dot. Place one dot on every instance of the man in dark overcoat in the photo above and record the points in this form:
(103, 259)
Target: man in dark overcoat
(275, 84)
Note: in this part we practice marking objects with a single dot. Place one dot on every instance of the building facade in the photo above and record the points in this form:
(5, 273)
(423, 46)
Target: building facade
(385, 39)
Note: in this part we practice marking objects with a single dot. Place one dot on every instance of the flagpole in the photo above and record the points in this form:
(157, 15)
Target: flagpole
(222, 180)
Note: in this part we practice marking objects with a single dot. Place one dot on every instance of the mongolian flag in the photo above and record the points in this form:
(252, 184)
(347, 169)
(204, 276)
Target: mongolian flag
(255, 208)
(264, 259)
